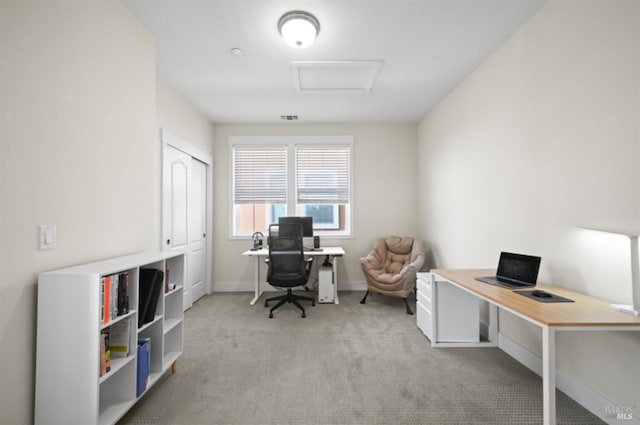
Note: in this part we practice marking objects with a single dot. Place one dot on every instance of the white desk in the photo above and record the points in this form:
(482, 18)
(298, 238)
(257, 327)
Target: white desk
(332, 251)
(585, 314)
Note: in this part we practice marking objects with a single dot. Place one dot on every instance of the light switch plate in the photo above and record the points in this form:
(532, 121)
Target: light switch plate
(47, 236)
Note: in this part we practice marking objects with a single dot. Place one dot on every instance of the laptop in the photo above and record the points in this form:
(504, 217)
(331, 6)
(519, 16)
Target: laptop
(515, 271)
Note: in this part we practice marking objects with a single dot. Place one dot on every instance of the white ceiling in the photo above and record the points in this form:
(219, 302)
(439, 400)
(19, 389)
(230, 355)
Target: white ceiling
(426, 48)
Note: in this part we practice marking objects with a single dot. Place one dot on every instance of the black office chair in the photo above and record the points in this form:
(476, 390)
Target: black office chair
(287, 266)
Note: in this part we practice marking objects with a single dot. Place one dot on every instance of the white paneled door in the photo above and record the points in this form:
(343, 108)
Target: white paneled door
(197, 229)
(184, 213)
(175, 217)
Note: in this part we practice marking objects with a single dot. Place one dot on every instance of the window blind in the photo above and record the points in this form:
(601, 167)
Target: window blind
(323, 174)
(259, 175)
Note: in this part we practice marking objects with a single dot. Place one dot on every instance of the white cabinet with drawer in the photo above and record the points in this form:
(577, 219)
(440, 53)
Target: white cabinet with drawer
(424, 305)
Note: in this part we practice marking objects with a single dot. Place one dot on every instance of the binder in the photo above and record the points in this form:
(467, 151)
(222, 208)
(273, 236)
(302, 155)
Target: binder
(144, 353)
(150, 287)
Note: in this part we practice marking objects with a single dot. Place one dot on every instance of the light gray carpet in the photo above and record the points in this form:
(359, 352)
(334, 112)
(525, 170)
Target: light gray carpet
(343, 364)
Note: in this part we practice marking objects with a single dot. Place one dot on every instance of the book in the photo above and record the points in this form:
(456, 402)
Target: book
(150, 285)
(107, 299)
(105, 352)
(123, 294)
(101, 316)
(114, 297)
(107, 359)
(103, 362)
(166, 277)
(120, 335)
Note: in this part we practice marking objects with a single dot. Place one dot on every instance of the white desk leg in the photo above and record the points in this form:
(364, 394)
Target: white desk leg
(257, 292)
(335, 280)
(494, 320)
(549, 375)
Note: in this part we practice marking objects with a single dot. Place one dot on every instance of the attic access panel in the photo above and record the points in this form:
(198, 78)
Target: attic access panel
(334, 76)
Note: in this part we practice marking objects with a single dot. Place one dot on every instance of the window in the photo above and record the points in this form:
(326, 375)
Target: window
(284, 176)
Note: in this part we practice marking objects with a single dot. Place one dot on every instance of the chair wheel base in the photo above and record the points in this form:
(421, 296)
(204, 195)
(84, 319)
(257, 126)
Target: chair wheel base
(289, 298)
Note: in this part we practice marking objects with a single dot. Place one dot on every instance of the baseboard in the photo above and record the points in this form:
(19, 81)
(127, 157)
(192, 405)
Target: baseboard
(249, 286)
(587, 398)
(352, 286)
(235, 287)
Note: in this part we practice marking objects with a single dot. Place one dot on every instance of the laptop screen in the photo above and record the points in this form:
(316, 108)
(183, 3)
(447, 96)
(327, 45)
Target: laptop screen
(520, 267)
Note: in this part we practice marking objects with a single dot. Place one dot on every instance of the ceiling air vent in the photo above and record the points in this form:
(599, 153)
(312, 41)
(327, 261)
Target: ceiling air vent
(288, 117)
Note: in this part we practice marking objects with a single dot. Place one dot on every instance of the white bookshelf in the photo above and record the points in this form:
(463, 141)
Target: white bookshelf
(69, 388)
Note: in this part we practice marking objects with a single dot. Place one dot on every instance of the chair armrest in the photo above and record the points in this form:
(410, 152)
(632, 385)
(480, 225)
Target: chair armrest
(413, 266)
(371, 261)
(406, 269)
(375, 258)
(417, 263)
(308, 264)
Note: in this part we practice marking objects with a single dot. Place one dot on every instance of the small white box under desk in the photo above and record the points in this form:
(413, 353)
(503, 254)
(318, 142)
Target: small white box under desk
(326, 290)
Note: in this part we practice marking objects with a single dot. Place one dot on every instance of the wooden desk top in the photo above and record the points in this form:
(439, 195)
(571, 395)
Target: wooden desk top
(584, 312)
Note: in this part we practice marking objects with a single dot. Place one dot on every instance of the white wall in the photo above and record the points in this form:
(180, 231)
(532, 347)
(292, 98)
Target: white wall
(541, 138)
(178, 116)
(79, 148)
(384, 196)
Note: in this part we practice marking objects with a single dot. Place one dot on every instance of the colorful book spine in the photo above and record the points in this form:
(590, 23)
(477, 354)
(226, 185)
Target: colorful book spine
(105, 352)
(123, 294)
(103, 361)
(101, 317)
(107, 299)
(114, 296)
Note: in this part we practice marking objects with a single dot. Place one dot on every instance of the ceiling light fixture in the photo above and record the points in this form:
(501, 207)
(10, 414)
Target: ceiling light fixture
(298, 28)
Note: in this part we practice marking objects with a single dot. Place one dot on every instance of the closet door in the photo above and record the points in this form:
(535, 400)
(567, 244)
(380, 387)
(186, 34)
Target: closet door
(186, 211)
(176, 189)
(197, 226)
